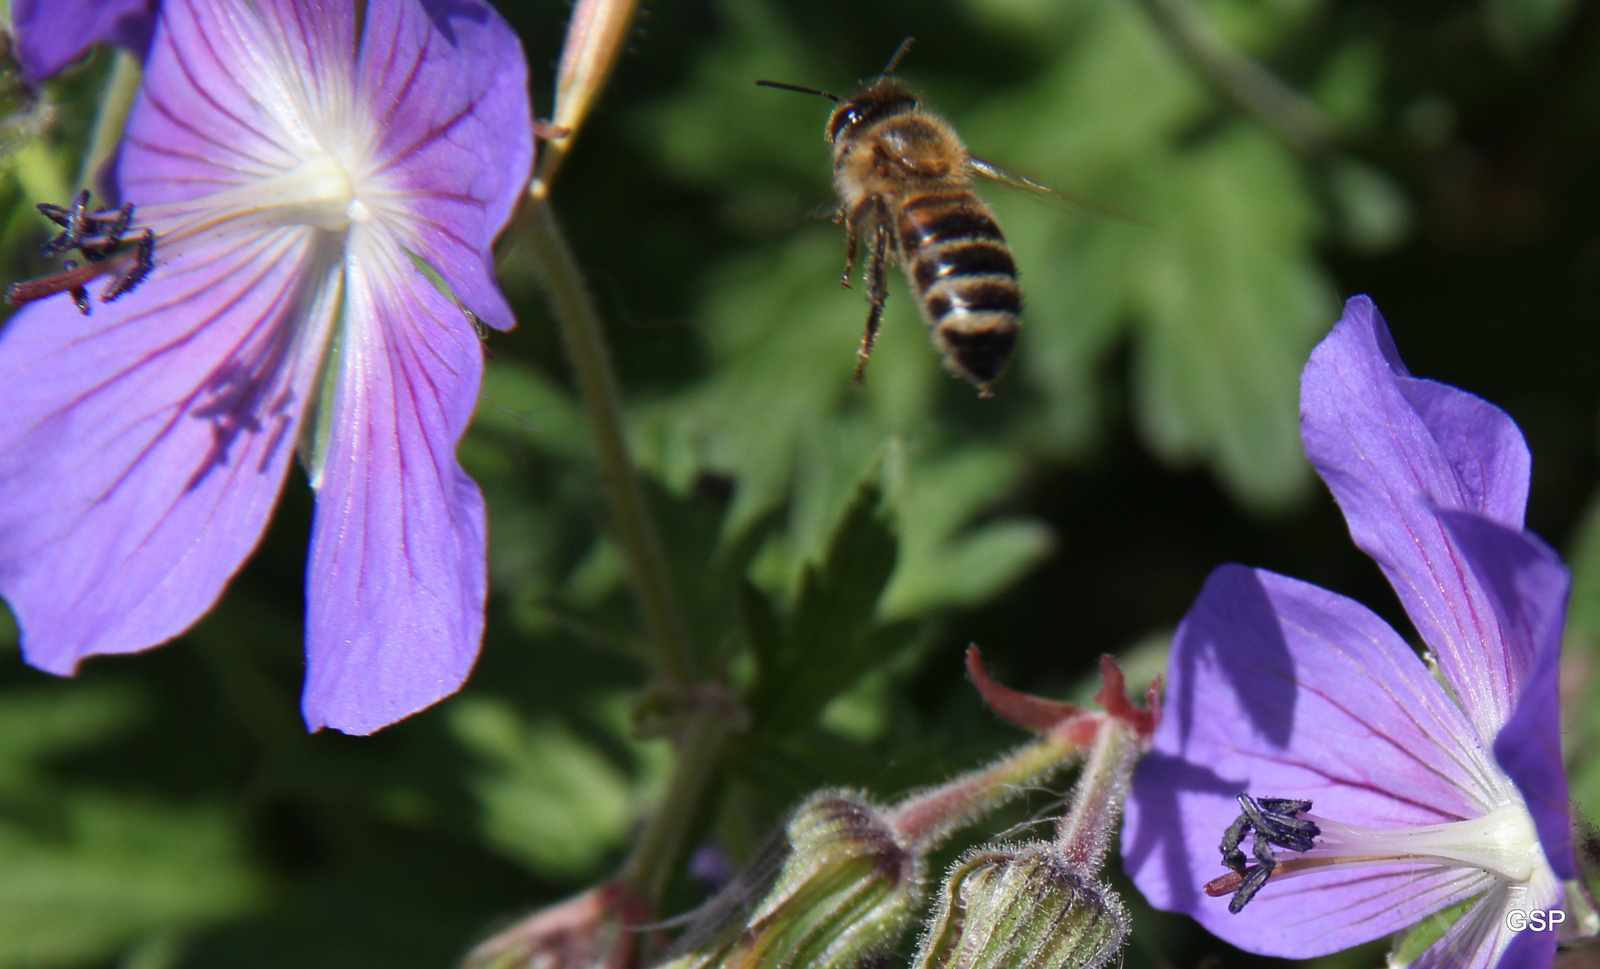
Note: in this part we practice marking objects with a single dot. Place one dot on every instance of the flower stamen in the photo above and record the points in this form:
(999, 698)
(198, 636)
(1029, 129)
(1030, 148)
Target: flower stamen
(100, 237)
(1275, 821)
(1502, 842)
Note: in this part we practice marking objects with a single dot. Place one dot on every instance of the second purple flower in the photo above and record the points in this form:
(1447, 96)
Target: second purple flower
(1354, 792)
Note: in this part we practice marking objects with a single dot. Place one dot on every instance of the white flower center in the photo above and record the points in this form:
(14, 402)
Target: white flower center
(317, 192)
(1502, 842)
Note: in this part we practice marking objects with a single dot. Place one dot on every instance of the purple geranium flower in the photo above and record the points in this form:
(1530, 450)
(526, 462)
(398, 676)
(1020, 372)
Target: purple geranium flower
(1428, 787)
(53, 33)
(300, 165)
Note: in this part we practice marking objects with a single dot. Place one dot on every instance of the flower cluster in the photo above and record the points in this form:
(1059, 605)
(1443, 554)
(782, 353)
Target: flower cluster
(1378, 788)
(323, 186)
(298, 265)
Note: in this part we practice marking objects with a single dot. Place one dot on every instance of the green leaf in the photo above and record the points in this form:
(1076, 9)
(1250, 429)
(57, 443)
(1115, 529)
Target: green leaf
(35, 725)
(1415, 941)
(86, 874)
(707, 563)
(1114, 95)
(1525, 26)
(1230, 302)
(691, 131)
(783, 337)
(948, 563)
(1581, 721)
(860, 713)
(1222, 286)
(550, 799)
(121, 870)
(521, 405)
(761, 625)
(1348, 88)
(1583, 614)
(1374, 213)
(828, 642)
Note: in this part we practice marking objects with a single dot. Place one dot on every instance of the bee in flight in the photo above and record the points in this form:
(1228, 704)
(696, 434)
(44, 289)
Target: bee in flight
(904, 179)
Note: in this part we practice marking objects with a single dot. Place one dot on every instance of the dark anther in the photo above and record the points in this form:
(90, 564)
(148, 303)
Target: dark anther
(73, 222)
(1232, 857)
(98, 236)
(1274, 821)
(144, 262)
(95, 234)
(110, 236)
(80, 296)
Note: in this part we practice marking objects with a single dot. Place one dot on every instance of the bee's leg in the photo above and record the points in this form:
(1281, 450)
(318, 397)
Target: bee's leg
(877, 293)
(856, 223)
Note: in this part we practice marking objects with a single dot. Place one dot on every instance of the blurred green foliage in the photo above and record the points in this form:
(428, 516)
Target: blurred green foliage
(835, 547)
(550, 799)
(83, 871)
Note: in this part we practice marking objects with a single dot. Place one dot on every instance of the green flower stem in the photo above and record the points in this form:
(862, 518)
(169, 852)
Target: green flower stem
(664, 841)
(1295, 118)
(1084, 833)
(584, 335)
(923, 820)
(115, 102)
(704, 733)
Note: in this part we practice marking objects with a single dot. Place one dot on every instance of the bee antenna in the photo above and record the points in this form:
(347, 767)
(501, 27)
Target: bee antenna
(894, 62)
(795, 87)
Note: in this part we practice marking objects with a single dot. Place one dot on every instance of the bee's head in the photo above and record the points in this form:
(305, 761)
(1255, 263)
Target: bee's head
(883, 98)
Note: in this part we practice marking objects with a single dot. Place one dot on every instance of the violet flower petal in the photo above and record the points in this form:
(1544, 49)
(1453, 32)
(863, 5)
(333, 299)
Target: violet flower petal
(265, 141)
(398, 577)
(1481, 939)
(441, 123)
(53, 33)
(1527, 586)
(461, 152)
(1529, 950)
(1394, 449)
(143, 447)
(199, 128)
(1281, 688)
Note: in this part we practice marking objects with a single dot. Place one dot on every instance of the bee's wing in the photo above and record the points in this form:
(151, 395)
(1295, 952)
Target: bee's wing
(1008, 177)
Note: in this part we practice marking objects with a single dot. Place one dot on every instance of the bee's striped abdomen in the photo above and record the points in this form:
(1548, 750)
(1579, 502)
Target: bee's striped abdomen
(965, 278)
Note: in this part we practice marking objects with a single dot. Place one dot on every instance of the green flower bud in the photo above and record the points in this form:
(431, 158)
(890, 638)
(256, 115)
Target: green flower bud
(1025, 907)
(844, 894)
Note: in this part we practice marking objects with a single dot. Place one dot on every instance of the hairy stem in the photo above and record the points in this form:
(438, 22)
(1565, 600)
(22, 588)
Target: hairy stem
(703, 735)
(1084, 833)
(584, 336)
(662, 844)
(926, 818)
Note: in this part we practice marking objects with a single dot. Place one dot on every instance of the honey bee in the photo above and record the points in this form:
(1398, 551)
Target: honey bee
(904, 180)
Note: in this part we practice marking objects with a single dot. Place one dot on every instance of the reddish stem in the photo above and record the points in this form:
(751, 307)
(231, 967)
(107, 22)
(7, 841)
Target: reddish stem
(1040, 715)
(1024, 710)
(65, 281)
(1113, 698)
